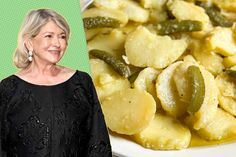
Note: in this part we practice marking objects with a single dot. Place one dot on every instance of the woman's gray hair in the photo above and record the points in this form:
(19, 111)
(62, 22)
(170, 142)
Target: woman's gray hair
(30, 28)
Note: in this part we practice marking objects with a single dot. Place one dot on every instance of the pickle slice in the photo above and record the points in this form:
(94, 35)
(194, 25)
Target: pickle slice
(174, 26)
(215, 16)
(116, 64)
(133, 77)
(198, 89)
(231, 73)
(99, 22)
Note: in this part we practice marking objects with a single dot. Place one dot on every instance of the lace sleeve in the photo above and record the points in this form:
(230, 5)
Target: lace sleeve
(99, 143)
(2, 153)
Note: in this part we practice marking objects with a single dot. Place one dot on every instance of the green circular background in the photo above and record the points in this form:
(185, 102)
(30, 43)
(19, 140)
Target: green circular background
(12, 13)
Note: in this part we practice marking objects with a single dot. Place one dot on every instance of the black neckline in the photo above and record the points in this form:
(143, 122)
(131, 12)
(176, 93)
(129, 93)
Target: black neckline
(39, 85)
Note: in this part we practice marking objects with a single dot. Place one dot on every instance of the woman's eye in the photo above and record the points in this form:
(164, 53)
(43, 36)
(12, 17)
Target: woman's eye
(48, 36)
(63, 37)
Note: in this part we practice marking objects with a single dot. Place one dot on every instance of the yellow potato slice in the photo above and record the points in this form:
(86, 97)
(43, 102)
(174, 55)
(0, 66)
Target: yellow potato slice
(90, 33)
(227, 92)
(229, 5)
(222, 41)
(212, 61)
(229, 61)
(129, 27)
(156, 16)
(105, 79)
(146, 80)
(228, 104)
(164, 133)
(153, 3)
(112, 43)
(157, 10)
(183, 10)
(223, 125)
(181, 78)
(134, 11)
(144, 48)
(109, 4)
(128, 111)
(167, 92)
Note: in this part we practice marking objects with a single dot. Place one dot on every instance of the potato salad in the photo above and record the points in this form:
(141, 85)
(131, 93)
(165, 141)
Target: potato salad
(165, 70)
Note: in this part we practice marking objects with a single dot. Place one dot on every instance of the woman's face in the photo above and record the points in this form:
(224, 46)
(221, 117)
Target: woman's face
(50, 44)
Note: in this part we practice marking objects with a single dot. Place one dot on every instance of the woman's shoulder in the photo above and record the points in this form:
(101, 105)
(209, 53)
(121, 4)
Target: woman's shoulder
(82, 77)
(7, 80)
(8, 84)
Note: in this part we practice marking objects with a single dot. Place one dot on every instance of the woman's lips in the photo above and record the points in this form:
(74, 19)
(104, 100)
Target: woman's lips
(54, 51)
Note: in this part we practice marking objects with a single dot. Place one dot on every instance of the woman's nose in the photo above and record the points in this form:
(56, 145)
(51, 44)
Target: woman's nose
(56, 42)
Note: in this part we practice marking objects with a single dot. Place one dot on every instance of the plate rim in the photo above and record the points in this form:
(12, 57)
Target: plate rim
(122, 147)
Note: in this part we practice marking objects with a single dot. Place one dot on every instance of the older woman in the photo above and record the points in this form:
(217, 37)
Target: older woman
(47, 110)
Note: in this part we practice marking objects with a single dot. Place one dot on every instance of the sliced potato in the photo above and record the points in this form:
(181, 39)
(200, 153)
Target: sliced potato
(233, 68)
(109, 4)
(105, 79)
(134, 11)
(211, 61)
(153, 4)
(90, 33)
(112, 43)
(144, 48)
(226, 85)
(208, 58)
(156, 16)
(229, 61)
(157, 10)
(164, 133)
(181, 79)
(223, 125)
(227, 92)
(146, 80)
(228, 104)
(167, 92)
(222, 41)
(128, 111)
(229, 5)
(129, 27)
(183, 10)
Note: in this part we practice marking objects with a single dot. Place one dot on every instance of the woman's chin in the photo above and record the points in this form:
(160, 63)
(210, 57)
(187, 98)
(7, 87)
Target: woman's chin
(55, 58)
(55, 61)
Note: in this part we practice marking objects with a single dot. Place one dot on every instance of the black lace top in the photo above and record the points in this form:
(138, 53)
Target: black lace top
(63, 120)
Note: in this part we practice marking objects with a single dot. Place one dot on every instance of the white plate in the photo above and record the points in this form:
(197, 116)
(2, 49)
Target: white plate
(122, 147)
(85, 3)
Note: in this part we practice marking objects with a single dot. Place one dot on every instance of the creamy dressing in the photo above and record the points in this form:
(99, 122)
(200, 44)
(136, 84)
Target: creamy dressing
(196, 141)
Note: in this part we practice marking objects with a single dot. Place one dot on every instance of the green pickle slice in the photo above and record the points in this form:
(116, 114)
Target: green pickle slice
(174, 26)
(231, 73)
(115, 63)
(197, 89)
(100, 22)
(215, 15)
